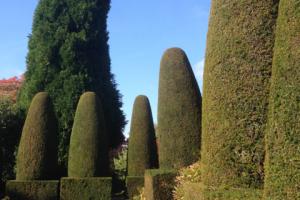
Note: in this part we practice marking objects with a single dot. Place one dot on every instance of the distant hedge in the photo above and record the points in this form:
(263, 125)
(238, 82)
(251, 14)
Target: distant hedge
(88, 154)
(142, 150)
(37, 152)
(236, 90)
(179, 112)
(283, 132)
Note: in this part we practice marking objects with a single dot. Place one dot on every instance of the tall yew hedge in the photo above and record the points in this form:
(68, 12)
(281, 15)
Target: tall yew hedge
(283, 132)
(68, 55)
(236, 91)
(179, 112)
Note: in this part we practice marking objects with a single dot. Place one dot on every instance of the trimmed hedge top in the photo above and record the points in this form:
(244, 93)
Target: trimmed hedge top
(37, 153)
(179, 112)
(88, 154)
(283, 131)
(236, 89)
(142, 149)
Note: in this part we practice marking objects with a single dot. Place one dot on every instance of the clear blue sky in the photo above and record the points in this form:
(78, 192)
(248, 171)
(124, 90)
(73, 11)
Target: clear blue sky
(140, 31)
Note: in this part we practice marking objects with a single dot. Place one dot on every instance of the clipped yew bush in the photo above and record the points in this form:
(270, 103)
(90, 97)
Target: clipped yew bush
(37, 152)
(283, 130)
(235, 92)
(179, 112)
(142, 150)
(88, 153)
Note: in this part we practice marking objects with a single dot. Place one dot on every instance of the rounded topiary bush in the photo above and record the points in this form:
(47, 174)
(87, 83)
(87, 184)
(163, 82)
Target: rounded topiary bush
(142, 150)
(236, 86)
(37, 153)
(283, 130)
(179, 112)
(88, 153)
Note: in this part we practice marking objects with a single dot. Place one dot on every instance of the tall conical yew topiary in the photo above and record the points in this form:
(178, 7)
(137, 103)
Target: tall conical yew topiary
(179, 112)
(283, 130)
(236, 89)
(37, 152)
(142, 149)
(68, 55)
(88, 153)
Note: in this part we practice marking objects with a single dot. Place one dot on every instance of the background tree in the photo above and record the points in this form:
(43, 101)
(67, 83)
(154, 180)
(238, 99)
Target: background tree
(69, 54)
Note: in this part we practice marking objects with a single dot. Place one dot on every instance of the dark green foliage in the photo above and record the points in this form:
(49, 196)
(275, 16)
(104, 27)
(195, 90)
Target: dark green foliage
(11, 123)
(37, 152)
(32, 190)
(68, 55)
(159, 184)
(235, 93)
(232, 194)
(86, 188)
(88, 154)
(134, 185)
(283, 131)
(179, 112)
(142, 149)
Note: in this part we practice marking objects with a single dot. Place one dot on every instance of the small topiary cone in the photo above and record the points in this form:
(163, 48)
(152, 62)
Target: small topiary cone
(37, 153)
(142, 150)
(88, 153)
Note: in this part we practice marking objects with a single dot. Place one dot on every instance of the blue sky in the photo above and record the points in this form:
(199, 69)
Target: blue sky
(140, 31)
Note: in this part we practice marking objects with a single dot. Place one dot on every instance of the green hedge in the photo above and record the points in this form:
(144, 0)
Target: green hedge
(32, 190)
(134, 184)
(85, 188)
(88, 154)
(283, 133)
(37, 153)
(159, 184)
(231, 194)
(179, 112)
(142, 149)
(236, 86)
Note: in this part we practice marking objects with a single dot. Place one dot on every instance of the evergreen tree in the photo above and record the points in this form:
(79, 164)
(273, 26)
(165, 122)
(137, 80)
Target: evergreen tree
(69, 54)
(283, 130)
(235, 92)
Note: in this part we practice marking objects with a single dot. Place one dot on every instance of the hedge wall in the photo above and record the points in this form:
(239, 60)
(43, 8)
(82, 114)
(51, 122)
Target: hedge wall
(236, 89)
(179, 112)
(283, 132)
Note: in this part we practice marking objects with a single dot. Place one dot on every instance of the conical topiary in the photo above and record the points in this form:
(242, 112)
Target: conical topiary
(235, 92)
(37, 153)
(282, 164)
(88, 153)
(179, 112)
(142, 150)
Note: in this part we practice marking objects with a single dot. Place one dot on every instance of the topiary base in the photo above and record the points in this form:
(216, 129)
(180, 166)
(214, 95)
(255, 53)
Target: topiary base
(159, 184)
(32, 190)
(134, 185)
(231, 194)
(97, 188)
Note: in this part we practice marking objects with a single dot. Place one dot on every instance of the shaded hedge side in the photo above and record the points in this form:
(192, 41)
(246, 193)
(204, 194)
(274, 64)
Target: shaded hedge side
(236, 88)
(283, 133)
(88, 154)
(179, 112)
(142, 149)
(37, 152)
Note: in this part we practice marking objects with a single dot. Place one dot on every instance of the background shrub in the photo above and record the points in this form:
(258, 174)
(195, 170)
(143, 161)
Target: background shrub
(88, 154)
(37, 152)
(236, 90)
(179, 112)
(283, 131)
